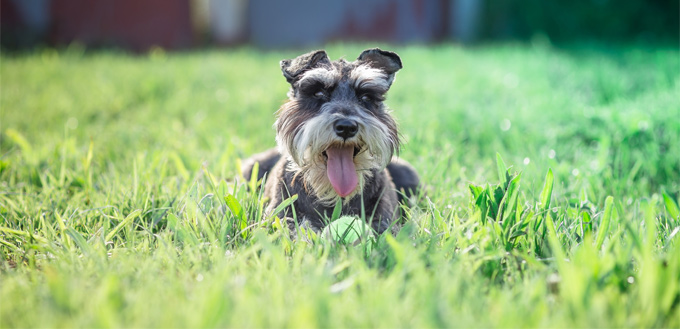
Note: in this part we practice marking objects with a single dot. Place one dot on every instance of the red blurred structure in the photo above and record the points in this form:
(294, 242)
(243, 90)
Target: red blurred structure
(177, 24)
(132, 24)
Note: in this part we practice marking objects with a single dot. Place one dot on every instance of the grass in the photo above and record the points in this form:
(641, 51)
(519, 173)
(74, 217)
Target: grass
(553, 181)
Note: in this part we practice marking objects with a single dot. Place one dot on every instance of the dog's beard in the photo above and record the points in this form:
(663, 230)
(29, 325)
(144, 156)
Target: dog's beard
(374, 145)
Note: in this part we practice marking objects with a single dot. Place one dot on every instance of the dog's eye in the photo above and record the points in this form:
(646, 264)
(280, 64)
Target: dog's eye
(320, 94)
(366, 98)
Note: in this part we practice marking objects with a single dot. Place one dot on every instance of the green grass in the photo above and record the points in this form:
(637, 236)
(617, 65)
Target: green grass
(120, 203)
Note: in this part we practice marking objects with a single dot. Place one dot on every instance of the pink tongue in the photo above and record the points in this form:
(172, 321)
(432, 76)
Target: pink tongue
(341, 170)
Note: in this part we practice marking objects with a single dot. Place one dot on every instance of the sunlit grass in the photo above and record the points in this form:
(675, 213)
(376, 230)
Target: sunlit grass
(552, 188)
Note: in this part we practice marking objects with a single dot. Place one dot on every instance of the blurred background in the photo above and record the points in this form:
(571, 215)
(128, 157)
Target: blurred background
(182, 24)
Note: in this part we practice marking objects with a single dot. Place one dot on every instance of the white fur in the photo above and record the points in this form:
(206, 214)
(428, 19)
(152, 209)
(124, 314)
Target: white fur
(366, 76)
(326, 75)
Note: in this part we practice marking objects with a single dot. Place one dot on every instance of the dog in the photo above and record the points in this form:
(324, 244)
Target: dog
(336, 141)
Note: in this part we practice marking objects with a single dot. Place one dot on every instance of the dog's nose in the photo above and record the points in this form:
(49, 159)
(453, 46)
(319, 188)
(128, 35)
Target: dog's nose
(345, 128)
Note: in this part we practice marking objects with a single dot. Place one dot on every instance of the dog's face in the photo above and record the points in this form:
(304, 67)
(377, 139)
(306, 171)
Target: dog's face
(335, 127)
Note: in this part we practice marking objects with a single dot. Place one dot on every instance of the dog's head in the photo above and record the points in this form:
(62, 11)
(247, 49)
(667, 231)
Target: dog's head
(335, 127)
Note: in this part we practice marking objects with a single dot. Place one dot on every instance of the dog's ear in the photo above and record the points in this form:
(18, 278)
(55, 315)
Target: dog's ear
(293, 68)
(381, 59)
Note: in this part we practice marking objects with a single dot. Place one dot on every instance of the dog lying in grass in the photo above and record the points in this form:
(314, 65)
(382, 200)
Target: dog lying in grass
(336, 141)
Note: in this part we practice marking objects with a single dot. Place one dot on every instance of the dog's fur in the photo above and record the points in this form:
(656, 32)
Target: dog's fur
(336, 105)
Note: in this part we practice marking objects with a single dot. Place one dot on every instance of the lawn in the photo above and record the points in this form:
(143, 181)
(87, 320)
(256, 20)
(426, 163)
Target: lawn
(552, 180)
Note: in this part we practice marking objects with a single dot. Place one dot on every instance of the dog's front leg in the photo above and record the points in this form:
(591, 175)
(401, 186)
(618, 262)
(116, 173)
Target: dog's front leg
(298, 230)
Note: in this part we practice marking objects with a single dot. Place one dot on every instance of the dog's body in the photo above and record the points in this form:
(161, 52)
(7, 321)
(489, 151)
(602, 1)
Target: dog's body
(335, 140)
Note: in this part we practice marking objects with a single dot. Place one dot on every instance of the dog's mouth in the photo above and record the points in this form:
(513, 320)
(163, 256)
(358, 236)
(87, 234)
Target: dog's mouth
(357, 150)
(340, 168)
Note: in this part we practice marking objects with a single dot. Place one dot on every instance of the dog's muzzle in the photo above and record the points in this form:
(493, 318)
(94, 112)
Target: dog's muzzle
(345, 128)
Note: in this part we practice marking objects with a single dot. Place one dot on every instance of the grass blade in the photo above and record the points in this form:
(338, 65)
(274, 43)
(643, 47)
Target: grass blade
(509, 205)
(252, 184)
(237, 211)
(502, 169)
(586, 223)
(120, 225)
(337, 210)
(80, 241)
(604, 224)
(23, 234)
(23, 143)
(546, 193)
(284, 204)
(553, 239)
(671, 206)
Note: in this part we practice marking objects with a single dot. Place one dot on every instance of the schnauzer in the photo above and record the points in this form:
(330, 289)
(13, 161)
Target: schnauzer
(336, 140)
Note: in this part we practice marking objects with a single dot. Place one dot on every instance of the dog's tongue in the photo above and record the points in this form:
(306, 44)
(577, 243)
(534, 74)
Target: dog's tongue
(340, 169)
